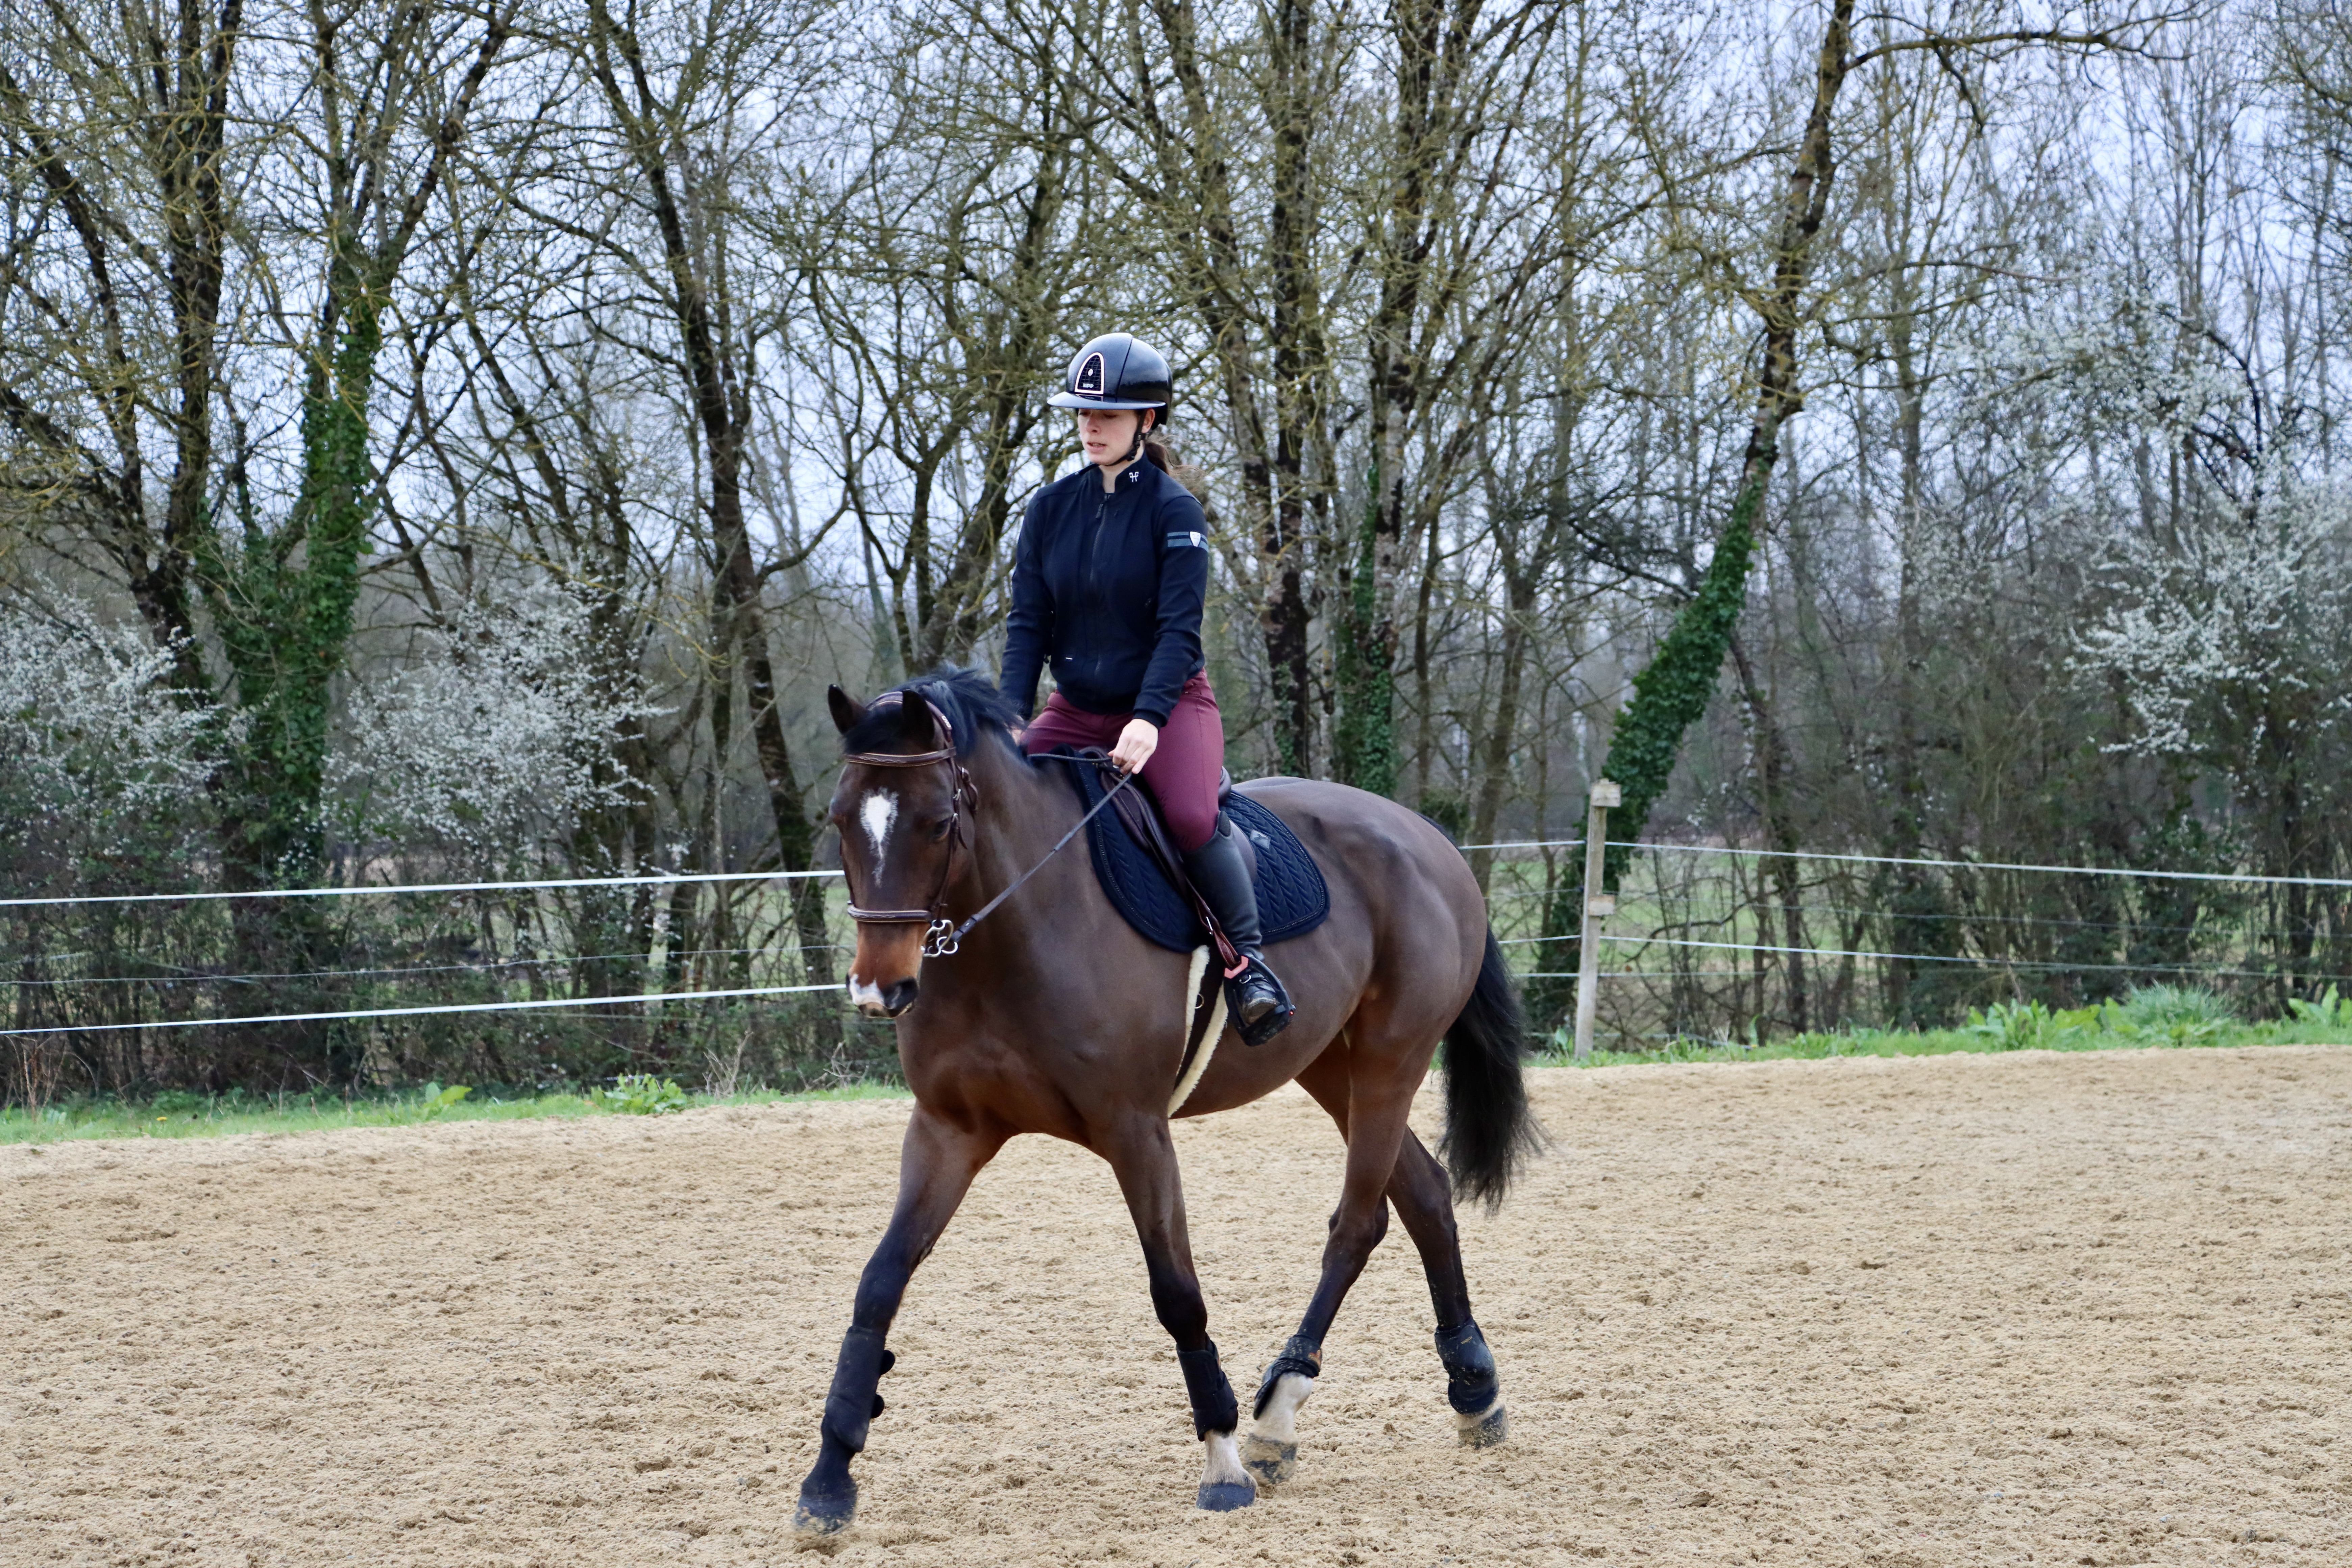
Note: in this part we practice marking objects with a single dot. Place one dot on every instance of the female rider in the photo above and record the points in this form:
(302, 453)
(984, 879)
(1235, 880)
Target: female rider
(1108, 582)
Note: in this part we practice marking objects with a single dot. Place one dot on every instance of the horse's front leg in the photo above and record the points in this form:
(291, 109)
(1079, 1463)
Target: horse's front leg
(1145, 1161)
(935, 1166)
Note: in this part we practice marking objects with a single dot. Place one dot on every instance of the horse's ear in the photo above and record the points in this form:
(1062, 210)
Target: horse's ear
(846, 710)
(915, 725)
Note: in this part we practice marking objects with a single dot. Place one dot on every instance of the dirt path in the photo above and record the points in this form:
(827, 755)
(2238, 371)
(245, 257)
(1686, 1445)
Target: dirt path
(1967, 1309)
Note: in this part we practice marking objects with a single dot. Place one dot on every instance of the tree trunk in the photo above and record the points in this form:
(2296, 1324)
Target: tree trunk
(1673, 691)
(1784, 874)
(721, 401)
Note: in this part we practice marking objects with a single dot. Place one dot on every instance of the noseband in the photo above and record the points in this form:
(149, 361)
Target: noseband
(939, 939)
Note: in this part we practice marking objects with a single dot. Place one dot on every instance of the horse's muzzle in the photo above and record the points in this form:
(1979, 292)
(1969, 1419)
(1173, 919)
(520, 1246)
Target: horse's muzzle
(883, 1001)
(882, 971)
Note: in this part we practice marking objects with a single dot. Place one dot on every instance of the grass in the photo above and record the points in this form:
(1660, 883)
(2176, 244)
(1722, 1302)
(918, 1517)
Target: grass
(182, 1115)
(2153, 1016)
(2156, 1016)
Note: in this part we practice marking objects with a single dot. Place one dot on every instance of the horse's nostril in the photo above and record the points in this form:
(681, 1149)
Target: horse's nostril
(898, 998)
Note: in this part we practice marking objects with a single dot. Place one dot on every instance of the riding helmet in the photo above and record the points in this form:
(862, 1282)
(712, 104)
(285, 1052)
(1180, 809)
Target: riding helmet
(1116, 371)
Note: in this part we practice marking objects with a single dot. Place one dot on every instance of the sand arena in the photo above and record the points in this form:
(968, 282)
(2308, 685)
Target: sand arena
(2082, 1309)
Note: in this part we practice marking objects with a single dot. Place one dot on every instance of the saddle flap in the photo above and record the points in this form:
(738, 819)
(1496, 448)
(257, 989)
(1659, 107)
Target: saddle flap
(1144, 821)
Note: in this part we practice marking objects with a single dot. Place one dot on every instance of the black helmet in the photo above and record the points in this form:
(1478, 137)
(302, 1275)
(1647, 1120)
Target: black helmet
(1116, 372)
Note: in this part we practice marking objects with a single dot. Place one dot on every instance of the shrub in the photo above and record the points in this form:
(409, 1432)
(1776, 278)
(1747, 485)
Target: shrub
(639, 1094)
(2170, 1009)
(2030, 1025)
(2327, 1009)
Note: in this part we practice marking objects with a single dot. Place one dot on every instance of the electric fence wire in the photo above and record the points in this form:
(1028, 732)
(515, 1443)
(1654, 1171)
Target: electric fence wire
(1910, 917)
(196, 977)
(1910, 957)
(581, 1002)
(2245, 876)
(417, 1012)
(350, 892)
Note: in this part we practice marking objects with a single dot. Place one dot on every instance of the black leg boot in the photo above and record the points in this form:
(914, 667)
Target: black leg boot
(1261, 1010)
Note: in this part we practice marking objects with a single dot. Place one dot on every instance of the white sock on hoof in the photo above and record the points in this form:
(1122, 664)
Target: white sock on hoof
(1222, 1463)
(1272, 1451)
(1484, 1429)
(1280, 1422)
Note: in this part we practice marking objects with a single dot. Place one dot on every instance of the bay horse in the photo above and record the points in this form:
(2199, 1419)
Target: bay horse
(1054, 1016)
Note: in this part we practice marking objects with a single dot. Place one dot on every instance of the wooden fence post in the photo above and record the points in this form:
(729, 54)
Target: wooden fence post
(1598, 907)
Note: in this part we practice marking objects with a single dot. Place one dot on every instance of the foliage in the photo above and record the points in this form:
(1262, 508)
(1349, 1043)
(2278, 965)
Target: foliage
(2171, 1014)
(93, 741)
(2327, 1010)
(2179, 1012)
(1674, 687)
(2030, 1026)
(487, 739)
(639, 1094)
(435, 1100)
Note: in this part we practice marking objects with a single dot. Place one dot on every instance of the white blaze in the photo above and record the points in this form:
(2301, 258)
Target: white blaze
(878, 812)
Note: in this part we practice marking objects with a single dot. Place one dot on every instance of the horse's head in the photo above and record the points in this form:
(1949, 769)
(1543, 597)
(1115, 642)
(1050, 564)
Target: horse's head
(900, 807)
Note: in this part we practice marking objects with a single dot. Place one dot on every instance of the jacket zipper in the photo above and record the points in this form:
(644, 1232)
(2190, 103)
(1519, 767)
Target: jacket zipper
(1088, 585)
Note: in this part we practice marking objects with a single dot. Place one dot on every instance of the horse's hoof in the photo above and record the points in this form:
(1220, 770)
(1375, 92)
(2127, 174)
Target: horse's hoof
(820, 1514)
(1271, 1462)
(1483, 1431)
(1223, 1497)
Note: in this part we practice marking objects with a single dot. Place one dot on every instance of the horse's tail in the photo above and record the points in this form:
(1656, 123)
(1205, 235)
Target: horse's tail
(1489, 1130)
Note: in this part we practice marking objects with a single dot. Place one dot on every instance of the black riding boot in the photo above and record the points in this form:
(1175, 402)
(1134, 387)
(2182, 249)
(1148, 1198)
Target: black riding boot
(1262, 1009)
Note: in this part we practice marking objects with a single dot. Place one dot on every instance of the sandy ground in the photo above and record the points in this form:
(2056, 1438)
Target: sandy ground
(2084, 1309)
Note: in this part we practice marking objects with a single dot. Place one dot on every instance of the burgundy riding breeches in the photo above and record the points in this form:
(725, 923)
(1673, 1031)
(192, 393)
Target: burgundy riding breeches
(1183, 773)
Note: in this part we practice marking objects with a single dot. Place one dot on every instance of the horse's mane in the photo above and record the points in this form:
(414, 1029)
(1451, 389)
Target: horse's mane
(968, 697)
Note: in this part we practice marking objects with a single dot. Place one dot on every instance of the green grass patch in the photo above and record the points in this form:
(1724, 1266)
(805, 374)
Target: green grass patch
(181, 1114)
(2168, 1017)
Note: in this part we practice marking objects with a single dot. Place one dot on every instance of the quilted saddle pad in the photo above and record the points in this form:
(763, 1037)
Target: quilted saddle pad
(1291, 897)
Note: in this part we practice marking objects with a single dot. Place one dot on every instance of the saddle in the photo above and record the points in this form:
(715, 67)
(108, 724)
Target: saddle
(1142, 871)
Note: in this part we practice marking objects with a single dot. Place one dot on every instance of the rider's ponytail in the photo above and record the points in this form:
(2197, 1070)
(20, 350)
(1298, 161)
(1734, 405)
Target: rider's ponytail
(1160, 456)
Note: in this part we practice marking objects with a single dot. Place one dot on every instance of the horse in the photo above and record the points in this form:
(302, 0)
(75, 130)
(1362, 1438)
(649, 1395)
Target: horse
(1052, 1016)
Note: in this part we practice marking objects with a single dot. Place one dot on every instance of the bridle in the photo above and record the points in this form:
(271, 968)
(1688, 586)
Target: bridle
(939, 939)
(942, 936)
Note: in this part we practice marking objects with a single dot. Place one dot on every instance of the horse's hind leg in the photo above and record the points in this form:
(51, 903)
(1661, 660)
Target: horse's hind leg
(1144, 1160)
(935, 1166)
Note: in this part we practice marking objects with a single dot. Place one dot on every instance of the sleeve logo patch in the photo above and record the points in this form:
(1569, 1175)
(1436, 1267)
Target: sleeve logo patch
(1197, 541)
(1090, 377)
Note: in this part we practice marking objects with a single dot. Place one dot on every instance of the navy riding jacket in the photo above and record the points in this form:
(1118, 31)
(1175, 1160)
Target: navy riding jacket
(1110, 586)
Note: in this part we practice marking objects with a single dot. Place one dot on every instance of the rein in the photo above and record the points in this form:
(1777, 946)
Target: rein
(942, 938)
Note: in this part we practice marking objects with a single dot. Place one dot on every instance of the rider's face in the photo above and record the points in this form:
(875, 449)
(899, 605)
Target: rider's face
(1108, 434)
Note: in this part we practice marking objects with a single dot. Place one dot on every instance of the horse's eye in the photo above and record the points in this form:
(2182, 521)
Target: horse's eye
(940, 828)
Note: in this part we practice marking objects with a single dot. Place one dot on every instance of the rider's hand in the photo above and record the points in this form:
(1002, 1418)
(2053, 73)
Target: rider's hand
(1136, 745)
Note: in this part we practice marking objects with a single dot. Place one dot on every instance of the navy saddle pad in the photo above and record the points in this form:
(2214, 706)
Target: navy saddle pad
(1291, 897)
